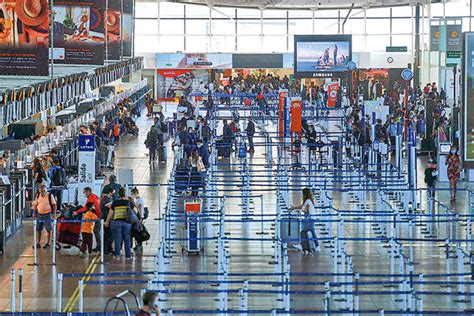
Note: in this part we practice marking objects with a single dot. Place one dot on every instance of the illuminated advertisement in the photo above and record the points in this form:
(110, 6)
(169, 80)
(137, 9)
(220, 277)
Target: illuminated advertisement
(193, 61)
(127, 28)
(24, 36)
(468, 104)
(321, 54)
(174, 83)
(79, 32)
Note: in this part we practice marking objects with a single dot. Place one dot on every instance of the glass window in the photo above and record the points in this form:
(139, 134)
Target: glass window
(325, 14)
(274, 27)
(378, 26)
(197, 11)
(146, 27)
(402, 26)
(223, 44)
(358, 44)
(248, 27)
(377, 43)
(267, 13)
(301, 26)
(146, 43)
(146, 10)
(274, 44)
(460, 8)
(465, 24)
(169, 44)
(436, 10)
(300, 13)
(219, 12)
(402, 11)
(249, 44)
(171, 10)
(402, 40)
(378, 12)
(197, 44)
(197, 27)
(325, 26)
(171, 27)
(223, 27)
(291, 43)
(248, 13)
(354, 26)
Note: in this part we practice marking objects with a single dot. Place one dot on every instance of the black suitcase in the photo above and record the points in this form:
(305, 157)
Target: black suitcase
(182, 178)
(307, 242)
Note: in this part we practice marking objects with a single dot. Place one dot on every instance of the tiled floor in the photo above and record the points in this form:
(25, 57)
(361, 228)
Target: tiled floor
(249, 253)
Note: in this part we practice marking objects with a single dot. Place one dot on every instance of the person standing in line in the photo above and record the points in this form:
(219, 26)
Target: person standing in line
(105, 204)
(57, 174)
(430, 177)
(121, 225)
(94, 199)
(87, 230)
(44, 210)
(454, 170)
(250, 132)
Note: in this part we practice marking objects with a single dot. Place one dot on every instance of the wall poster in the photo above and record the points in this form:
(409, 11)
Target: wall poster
(24, 37)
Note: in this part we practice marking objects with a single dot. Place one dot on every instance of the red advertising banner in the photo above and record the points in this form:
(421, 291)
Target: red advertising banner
(79, 32)
(282, 94)
(333, 90)
(296, 115)
(24, 37)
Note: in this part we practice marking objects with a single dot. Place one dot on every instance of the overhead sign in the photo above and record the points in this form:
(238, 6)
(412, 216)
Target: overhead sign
(86, 143)
(434, 37)
(453, 54)
(193, 61)
(24, 37)
(351, 66)
(396, 49)
(407, 74)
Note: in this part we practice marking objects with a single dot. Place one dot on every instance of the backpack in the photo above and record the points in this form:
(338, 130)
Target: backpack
(58, 177)
(164, 127)
(116, 130)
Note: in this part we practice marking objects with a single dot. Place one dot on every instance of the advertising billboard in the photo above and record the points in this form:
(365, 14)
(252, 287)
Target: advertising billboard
(468, 104)
(127, 28)
(193, 61)
(321, 54)
(79, 32)
(24, 37)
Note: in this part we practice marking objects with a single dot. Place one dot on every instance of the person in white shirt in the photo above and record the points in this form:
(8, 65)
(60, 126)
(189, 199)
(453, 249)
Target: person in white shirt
(309, 218)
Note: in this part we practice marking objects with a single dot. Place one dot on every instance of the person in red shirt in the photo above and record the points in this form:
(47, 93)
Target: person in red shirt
(94, 199)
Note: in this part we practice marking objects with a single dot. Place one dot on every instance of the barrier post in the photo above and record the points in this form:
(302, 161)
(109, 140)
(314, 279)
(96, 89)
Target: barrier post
(327, 299)
(55, 225)
(20, 291)
(12, 291)
(102, 232)
(420, 299)
(60, 292)
(356, 294)
(160, 216)
(35, 237)
(244, 299)
(468, 236)
(262, 231)
(81, 296)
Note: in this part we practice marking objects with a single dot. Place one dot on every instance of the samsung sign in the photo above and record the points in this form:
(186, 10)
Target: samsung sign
(86, 143)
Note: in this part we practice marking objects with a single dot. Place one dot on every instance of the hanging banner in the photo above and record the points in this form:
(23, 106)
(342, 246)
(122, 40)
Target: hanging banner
(24, 36)
(174, 83)
(453, 38)
(434, 37)
(86, 170)
(468, 104)
(127, 28)
(79, 32)
(333, 90)
(114, 25)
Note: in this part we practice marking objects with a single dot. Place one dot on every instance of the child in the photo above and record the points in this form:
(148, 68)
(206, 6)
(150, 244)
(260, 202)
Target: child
(430, 177)
(87, 229)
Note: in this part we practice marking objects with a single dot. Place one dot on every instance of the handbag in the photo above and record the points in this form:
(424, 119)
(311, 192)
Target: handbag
(130, 215)
(141, 234)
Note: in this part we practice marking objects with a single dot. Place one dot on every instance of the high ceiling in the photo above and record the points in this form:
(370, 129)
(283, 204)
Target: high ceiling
(304, 4)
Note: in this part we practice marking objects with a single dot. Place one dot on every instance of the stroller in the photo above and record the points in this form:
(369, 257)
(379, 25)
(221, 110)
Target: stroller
(68, 233)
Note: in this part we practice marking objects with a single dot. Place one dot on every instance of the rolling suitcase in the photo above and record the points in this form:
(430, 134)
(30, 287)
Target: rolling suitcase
(307, 242)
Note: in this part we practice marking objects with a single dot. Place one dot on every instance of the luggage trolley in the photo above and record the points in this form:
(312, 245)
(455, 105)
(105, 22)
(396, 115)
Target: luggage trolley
(192, 229)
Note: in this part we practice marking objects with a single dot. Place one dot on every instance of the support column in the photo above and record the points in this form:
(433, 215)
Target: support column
(416, 66)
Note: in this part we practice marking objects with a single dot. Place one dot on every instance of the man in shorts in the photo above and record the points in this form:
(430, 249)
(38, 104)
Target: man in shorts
(44, 207)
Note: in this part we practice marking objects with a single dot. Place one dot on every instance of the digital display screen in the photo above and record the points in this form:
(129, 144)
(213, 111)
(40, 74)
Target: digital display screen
(321, 54)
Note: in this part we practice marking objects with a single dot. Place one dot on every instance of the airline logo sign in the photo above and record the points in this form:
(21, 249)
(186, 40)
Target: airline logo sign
(86, 143)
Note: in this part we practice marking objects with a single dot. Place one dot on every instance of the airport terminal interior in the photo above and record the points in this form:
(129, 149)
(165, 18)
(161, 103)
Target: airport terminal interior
(236, 157)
